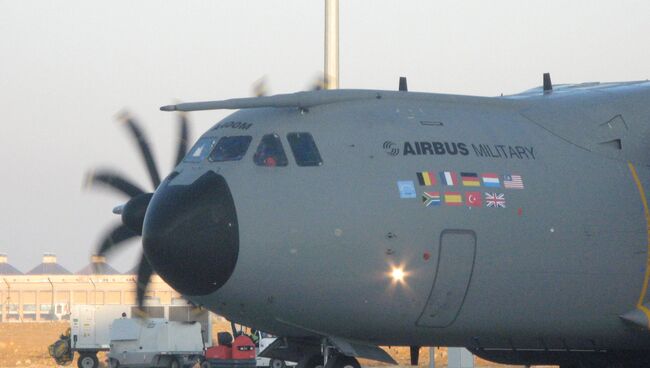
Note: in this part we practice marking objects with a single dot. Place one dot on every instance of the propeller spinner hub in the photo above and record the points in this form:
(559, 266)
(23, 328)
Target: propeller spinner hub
(190, 234)
(134, 210)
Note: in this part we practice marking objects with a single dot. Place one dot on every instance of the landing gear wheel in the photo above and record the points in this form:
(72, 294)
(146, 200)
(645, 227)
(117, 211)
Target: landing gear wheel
(88, 360)
(174, 363)
(277, 363)
(313, 361)
(342, 361)
(348, 362)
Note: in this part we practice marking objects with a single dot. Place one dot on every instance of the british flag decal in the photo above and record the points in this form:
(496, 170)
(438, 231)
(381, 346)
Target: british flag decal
(495, 200)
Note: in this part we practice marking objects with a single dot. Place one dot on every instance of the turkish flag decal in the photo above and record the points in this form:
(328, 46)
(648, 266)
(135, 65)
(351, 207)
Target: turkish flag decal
(473, 199)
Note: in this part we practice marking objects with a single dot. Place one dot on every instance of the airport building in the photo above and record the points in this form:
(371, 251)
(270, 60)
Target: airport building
(48, 291)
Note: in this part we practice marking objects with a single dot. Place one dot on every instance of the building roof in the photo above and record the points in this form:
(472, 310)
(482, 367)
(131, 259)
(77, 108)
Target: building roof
(98, 266)
(49, 267)
(132, 271)
(6, 268)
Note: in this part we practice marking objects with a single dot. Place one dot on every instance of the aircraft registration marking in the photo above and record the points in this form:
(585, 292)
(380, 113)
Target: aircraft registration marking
(241, 125)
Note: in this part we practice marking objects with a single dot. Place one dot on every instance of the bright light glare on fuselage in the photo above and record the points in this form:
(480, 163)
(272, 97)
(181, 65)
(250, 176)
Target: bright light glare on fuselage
(398, 275)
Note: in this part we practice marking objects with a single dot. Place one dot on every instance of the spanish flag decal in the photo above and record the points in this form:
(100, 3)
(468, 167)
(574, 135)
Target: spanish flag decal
(453, 199)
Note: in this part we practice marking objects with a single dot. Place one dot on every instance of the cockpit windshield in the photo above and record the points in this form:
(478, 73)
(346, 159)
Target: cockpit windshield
(231, 148)
(270, 152)
(200, 151)
(304, 149)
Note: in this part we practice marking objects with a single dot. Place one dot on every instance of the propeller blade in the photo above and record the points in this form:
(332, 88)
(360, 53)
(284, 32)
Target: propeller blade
(183, 138)
(144, 275)
(117, 236)
(115, 181)
(143, 144)
(260, 87)
(318, 84)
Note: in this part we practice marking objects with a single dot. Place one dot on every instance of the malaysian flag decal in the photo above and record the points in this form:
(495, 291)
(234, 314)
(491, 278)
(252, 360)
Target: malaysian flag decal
(513, 182)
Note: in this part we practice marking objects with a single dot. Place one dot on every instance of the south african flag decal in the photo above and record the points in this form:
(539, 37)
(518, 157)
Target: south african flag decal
(431, 199)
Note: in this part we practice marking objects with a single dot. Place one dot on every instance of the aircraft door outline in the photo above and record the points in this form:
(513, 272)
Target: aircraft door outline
(456, 257)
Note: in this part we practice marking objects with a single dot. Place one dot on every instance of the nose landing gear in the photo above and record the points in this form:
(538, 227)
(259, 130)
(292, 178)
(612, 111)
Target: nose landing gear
(325, 352)
(342, 361)
(329, 358)
(334, 361)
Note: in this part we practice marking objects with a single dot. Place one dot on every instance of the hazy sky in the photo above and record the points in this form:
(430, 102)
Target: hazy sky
(67, 68)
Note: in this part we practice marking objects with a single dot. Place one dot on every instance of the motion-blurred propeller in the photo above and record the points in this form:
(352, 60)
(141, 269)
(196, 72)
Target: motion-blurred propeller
(133, 211)
(260, 87)
(318, 84)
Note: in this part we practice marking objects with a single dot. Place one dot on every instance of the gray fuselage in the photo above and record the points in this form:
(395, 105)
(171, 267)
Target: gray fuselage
(552, 263)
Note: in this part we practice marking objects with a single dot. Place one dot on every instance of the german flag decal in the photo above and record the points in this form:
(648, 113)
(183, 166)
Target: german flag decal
(470, 179)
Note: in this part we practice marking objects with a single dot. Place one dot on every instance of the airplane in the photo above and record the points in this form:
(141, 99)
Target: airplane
(344, 220)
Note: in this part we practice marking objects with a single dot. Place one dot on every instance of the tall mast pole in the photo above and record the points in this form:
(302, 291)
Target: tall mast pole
(331, 77)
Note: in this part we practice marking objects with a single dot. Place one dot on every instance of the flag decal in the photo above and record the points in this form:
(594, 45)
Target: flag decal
(453, 199)
(513, 182)
(448, 178)
(473, 199)
(491, 180)
(431, 199)
(406, 189)
(427, 178)
(495, 200)
(470, 179)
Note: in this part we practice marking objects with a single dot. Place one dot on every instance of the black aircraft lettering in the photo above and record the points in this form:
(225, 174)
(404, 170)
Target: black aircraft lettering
(503, 151)
(235, 125)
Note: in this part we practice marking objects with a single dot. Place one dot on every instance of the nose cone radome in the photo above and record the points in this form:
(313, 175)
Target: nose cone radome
(191, 236)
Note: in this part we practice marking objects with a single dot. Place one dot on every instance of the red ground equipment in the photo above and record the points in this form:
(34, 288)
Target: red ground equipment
(239, 353)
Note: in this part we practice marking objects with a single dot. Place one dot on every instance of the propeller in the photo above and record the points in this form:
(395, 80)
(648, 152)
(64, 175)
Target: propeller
(319, 83)
(260, 87)
(134, 210)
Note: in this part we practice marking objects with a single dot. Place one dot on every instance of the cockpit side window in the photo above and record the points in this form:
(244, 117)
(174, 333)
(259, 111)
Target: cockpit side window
(200, 151)
(304, 149)
(270, 152)
(231, 148)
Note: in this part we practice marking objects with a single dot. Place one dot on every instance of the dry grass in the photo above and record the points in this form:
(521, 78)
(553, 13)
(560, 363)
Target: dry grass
(25, 345)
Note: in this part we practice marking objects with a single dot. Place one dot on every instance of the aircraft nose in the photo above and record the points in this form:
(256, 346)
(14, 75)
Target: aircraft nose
(190, 234)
